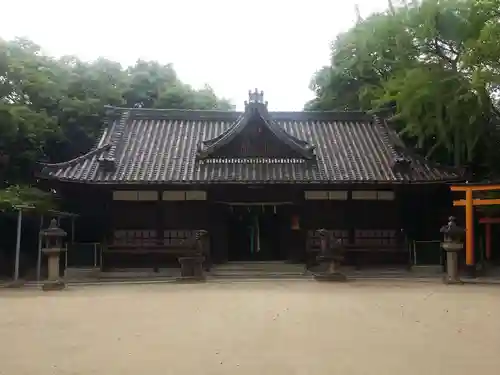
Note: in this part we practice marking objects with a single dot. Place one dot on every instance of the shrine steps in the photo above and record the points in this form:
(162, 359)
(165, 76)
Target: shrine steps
(259, 270)
(82, 272)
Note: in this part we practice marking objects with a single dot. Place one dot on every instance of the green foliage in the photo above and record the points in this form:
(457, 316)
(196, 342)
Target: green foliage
(434, 64)
(53, 108)
(16, 196)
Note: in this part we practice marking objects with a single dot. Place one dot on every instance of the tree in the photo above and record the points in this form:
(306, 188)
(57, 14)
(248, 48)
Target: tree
(26, 86)
(433, 63)
(54, 108)
(152, 85)
(25, 196)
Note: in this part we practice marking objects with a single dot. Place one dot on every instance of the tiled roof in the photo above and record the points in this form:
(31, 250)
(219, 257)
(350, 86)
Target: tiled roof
(256, 113)
(173, 146)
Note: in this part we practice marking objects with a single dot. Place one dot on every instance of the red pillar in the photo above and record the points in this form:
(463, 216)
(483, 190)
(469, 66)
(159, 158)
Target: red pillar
(469, 229)
(488, 241)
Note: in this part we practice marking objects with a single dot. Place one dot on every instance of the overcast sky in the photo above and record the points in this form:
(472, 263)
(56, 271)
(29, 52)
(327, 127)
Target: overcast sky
(233, 45)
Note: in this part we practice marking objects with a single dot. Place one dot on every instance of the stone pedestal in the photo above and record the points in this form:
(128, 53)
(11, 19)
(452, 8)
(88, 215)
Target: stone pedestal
(53, 281)
(332, 273)
(15, 284)
(192, 268)
(452, 245)
(452, 249)
(329, 258)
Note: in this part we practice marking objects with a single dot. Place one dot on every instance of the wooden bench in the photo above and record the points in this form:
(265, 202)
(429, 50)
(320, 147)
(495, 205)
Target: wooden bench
(150, 249)
(142, 248)
(359, 256)
(370, 247)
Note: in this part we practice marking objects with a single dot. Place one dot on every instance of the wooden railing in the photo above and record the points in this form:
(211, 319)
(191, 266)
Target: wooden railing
(175, 242)
(143, 248)
(369, 246)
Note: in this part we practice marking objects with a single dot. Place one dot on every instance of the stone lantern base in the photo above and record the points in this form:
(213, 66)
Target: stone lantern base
(53, 285)
(53, 281)
(331, 273)
(452, 249)
(15, 284)
(450, 281)
(192, 268)
(337, 276)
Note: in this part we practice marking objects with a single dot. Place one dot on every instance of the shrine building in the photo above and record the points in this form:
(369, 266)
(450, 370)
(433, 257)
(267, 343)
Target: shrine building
(259, 182)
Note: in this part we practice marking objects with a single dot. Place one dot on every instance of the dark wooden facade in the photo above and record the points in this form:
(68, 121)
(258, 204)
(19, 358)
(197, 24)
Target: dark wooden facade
(260, 183)
(143, 233)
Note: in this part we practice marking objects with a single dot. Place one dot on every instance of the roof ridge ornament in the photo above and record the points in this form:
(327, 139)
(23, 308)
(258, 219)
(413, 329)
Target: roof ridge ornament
(255, 97)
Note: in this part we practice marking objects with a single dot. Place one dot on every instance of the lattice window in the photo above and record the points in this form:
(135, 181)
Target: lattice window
(385, 195)
(124, 195)
(375, 237)
(173, 195)
(136, 237)
(332, 195)
(316, 195)
(314, 241)
(337, 195)
(133, 195)
(147, 195)
(178, 237)
(373, 195)
(196, 195)
(364, 195)
(181, 195)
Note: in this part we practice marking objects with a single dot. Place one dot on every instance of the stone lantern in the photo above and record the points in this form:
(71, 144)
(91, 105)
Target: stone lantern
(52, 246)
(329, 258)
(192, 265)
(452, 244)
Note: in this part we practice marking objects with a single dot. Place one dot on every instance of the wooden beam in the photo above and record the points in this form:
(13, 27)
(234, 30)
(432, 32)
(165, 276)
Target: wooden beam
(489, 220)
(478, 202)
(475, 187)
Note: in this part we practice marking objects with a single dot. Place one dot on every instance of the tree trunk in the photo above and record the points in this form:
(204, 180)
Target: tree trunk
(457, 147)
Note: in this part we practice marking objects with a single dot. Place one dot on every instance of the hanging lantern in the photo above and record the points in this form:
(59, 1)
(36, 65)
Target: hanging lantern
(295, 222)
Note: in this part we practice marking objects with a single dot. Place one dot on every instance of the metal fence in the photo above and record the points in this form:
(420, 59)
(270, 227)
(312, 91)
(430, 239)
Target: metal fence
(88, 254)
(427, 253)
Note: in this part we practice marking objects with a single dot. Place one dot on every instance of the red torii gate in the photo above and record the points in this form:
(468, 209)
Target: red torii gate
(469, 203)
(488, 221)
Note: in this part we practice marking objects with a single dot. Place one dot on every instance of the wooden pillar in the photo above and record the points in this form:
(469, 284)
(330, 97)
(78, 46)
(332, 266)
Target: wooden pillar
(110, 206)
(18, 243)
(488, 241)
(350, 218)
(218, 232)
(469, 228)
(161, 210)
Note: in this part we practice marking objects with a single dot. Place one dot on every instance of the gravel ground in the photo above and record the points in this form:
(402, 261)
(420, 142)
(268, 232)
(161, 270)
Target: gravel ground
(258, 328)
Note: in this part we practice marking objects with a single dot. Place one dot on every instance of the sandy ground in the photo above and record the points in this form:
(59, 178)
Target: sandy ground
(252, 328)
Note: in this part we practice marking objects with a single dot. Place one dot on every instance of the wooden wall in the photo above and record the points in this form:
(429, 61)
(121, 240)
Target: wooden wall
(355, 221)
(148, 215)
(355, 218)
(185, 214)
(326, 214)
(157, 220)
(134, 215)
(265, 193)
